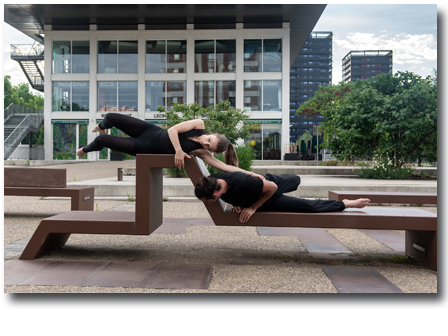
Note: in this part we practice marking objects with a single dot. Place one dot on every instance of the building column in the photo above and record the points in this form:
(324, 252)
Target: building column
(48, 96)
(285, 88)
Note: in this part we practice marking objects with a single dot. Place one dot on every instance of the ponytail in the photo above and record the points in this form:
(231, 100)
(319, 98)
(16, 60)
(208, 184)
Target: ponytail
(225, 146)
(230, 156)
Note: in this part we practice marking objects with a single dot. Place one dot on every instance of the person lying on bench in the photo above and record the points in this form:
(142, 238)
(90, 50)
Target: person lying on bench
(184, 139)
(248, 194)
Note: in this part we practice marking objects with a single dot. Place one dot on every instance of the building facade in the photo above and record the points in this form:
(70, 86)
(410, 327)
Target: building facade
(312, 68)
(363, 64)
(130, 59)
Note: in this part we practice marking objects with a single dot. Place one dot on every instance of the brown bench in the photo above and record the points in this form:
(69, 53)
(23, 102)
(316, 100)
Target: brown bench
(53, 232)
(27, 181)
(385, 197)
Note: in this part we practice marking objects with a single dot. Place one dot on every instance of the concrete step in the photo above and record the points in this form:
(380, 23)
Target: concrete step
(312, 186)
(301, 170)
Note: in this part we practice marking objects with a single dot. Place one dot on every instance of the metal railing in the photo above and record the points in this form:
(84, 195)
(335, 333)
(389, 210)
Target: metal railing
(26, 49)
(33, 119)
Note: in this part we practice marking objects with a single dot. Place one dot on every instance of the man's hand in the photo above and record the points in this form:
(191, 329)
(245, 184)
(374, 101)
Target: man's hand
(237, 209)
(246, 213)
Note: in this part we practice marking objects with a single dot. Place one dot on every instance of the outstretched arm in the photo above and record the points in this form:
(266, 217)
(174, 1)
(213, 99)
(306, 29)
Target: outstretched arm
(207, 157)
(269, 188)
(173, 133)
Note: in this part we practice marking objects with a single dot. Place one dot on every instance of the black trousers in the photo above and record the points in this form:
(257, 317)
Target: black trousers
(137, 129)
(281, 203)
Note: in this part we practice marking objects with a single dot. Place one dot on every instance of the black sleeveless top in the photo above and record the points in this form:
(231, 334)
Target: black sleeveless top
(166, 147)
(155, 140)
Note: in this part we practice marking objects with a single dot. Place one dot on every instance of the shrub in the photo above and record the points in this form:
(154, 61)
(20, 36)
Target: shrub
(384, 171)
(245, 155)
(176, 172)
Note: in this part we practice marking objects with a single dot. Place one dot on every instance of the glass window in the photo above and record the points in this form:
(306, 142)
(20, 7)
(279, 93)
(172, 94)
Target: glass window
(176, 92)
(82, 138)
(225, 55)
(107, 56)
(256, 142)
(61, 96)
(64, 141)
(252, 95)
(271, 141)
(252, 55)
(176, 56)
(204, 54)
(127, 96)
(61, 57)
(155, 56)
(128, 56)
(80, 96)
(81, 56)
(204, 93)
(107, 96)
(155, 95)
(225, 90)
(272, 55)
(272, 95)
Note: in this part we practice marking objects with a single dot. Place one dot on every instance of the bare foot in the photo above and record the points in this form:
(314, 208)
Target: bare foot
(80, 153)
(98, 129)
(359, 203)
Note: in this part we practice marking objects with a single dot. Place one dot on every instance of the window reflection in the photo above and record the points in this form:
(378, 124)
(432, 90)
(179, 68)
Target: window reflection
(252, 55)
(271, 142)
(155, 95)
(204, 54)
(107, 56)
(80, 56)
(107, 96)
(272, 55)
(176, 56)
(272, 95)
(61, 96)
(61, 57)
(204, 93)
(225, 55)
(176, 93)
(155, 56)
(128, 56)
(225, 90)
(252, 95)
(127, 96)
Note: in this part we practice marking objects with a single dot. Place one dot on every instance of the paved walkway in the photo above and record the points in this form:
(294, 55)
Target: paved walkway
(233, 259)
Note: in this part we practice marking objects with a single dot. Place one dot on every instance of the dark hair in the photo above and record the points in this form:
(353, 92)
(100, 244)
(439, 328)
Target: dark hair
(224, 145)
(205, 187)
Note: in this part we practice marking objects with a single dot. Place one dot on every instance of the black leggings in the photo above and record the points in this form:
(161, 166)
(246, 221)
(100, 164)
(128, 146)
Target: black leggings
(129, 125)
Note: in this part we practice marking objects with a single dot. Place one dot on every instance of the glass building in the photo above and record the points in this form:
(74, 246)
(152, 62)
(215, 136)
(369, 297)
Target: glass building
(312, 68)
(130, 59)
(363, 64)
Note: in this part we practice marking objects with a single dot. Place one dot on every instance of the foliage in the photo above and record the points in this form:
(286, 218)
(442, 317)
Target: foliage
(221, 118)
(389, 117)
(176, 172)
(384, 171)
(20, 94)
(245, 155)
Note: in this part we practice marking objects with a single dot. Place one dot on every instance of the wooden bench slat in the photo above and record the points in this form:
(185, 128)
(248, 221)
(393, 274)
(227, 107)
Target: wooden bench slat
(35, 177)
(385, 197)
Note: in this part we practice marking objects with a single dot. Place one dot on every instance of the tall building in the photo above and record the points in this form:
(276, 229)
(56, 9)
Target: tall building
(131, 58)
(311, 68)
(363, 64)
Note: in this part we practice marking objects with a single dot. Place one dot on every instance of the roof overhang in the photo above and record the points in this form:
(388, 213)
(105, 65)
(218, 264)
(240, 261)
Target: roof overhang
(31, 19)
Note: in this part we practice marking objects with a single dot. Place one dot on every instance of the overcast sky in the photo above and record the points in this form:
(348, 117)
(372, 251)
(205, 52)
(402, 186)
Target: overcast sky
(409, 30)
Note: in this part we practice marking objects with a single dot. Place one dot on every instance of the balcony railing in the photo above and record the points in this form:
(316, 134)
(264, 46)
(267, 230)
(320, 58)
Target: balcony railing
(26, 49)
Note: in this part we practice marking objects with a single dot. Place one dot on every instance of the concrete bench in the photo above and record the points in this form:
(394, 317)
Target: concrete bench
(53, 232)
(385, 197)
(27, 181)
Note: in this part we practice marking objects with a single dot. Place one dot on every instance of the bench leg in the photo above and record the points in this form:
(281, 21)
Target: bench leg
(42, 241)
(422, 245)
(84, 201)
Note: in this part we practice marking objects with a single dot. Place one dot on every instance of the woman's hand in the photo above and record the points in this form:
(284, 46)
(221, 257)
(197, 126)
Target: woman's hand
(258, 176)
(179, 159)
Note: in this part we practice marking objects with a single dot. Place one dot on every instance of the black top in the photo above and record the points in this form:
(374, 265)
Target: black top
(166, 147)
(244, 190)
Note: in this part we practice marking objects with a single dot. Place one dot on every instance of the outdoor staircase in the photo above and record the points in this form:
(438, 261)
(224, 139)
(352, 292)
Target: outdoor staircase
(19, 122)
(31, 60)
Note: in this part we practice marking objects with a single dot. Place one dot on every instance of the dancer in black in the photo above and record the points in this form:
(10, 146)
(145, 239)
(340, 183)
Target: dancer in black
(248, 194)
(184, 139)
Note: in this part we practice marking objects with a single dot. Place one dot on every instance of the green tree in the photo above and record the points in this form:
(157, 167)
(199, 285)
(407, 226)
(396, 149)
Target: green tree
(20, 94)
(388, 117)
(221, 118)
